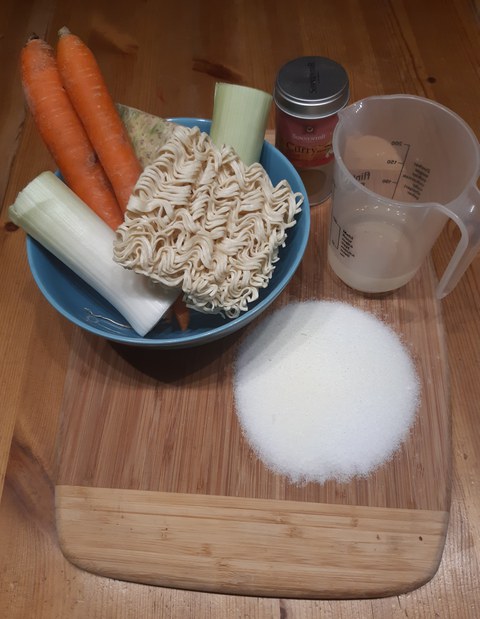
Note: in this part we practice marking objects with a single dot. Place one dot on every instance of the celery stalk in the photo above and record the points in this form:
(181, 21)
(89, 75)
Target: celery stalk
(240, 116)
(55, 217)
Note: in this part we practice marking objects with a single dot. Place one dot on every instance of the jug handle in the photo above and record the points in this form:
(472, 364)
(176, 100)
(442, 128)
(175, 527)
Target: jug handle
(467, 218)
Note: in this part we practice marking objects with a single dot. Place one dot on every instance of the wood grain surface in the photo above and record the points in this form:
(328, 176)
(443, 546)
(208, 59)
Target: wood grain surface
(165, 58)
(164, 421)
(268, 547)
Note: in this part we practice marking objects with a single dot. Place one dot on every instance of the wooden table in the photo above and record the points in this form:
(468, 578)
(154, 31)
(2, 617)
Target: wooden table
(165, 58)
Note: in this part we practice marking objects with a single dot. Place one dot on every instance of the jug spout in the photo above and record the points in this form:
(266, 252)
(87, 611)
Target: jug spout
(346, 112)
(355, 108)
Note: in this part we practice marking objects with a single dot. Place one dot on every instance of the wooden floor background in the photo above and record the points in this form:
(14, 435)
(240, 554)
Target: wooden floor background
(165, 58)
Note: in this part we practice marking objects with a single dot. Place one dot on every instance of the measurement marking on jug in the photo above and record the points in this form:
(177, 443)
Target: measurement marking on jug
(341, 239)
(394, 161)
(335, 232)
(363, 177)
(346, 245)
(417, 178)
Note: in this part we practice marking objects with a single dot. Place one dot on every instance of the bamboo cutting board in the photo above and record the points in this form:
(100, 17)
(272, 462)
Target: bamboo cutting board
(157, 485)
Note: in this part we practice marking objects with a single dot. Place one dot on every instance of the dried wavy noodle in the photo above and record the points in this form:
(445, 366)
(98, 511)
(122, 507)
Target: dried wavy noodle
(202, 221)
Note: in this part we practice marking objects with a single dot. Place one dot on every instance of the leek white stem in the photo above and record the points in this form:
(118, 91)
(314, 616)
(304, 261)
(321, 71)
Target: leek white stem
(55, 217)
(240, 116)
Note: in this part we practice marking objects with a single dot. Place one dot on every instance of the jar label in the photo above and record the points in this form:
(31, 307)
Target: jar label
(306, 142)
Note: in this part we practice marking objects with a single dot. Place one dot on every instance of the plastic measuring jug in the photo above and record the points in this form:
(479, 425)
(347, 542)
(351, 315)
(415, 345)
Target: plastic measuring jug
(403, 166)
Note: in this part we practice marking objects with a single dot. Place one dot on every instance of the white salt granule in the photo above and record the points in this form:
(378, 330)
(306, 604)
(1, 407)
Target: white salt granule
(324, 390)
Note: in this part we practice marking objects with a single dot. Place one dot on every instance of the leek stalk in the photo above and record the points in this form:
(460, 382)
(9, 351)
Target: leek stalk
(239, 119)
(55, 217)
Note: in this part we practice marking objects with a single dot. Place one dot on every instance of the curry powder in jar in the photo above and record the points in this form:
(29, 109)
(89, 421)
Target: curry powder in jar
(309, 91)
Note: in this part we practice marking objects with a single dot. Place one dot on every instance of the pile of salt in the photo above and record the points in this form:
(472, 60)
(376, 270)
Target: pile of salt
(324, 390)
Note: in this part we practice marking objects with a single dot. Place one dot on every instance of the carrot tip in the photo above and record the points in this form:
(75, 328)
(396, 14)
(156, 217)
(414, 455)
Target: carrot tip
(63, 31)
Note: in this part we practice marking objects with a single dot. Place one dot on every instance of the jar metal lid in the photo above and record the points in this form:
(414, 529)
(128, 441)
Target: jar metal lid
(311, 87)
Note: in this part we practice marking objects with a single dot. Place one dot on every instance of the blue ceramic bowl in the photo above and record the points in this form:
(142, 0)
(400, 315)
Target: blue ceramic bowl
(83, 306)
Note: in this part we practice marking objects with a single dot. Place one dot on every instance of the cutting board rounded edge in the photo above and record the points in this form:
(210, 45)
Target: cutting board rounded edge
(218, 544)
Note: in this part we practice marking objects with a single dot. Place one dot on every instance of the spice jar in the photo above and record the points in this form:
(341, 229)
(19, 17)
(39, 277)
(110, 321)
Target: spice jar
(309, 91)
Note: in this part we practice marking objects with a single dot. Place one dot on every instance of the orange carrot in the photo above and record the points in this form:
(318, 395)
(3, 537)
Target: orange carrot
(181, 313)
(88, 92)
(63, 133)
